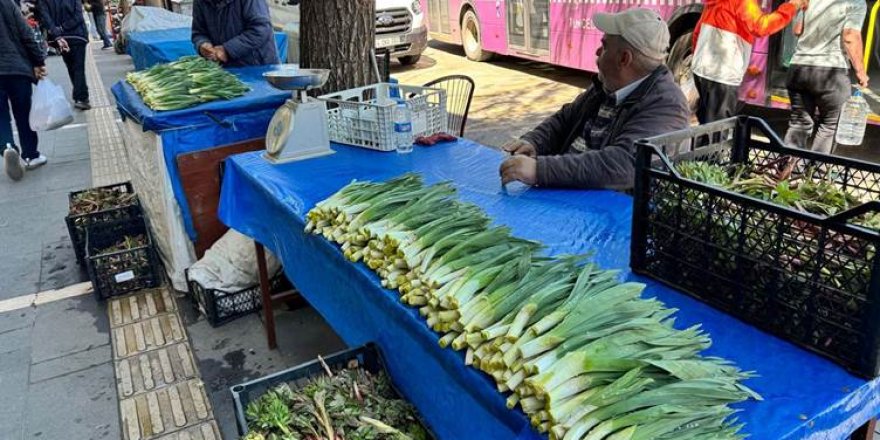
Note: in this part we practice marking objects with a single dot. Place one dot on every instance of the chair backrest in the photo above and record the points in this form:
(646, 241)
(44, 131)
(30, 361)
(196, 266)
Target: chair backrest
(459, 93)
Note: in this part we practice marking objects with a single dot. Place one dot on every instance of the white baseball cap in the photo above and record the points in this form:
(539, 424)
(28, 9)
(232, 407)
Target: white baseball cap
(642, 28)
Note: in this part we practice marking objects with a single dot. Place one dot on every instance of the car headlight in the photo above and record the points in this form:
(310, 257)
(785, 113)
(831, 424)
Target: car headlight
(417, 7)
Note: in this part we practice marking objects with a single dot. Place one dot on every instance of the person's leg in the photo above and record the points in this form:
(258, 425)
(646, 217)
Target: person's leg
(717, 100)
(800, 122)
(5, 116)
(834, 89)
(101, 27)
(20, 100)
(78, 75)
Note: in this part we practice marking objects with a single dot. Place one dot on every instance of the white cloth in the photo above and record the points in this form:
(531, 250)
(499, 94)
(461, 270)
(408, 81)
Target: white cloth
(726, 65)
(821, 44)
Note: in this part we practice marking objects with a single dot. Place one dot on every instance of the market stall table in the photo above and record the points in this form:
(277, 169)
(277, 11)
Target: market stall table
(805, 396)
(148, 48)
(156, 141)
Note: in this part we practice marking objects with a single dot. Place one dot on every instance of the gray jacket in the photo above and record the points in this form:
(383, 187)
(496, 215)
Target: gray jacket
(19, 51)
(656, 107)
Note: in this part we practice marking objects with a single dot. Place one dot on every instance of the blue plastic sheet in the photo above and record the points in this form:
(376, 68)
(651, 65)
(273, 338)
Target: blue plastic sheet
(805, 395)
(204, 126)
(148, 48)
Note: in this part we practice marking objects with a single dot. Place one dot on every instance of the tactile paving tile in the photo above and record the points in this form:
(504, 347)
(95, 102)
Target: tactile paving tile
(154, 369)
(142, 305)
(164, 411)
(145, 335)
(205, 431)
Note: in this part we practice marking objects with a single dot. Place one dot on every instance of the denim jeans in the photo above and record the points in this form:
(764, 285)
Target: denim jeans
(101, 27)
(16, 91)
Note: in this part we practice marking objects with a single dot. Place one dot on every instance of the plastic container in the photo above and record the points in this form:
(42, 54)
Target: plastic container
(220, 307)
(364, 116)
(116, 273)
(367, 357)
(853, 120)
(809, 279)
(77, 224)
(403, 128)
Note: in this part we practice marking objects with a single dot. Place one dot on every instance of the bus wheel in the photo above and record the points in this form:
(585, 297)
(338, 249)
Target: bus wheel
(470, 37)
(680, 64)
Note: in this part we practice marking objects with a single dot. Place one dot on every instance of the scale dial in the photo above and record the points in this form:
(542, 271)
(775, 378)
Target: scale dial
(279, 130)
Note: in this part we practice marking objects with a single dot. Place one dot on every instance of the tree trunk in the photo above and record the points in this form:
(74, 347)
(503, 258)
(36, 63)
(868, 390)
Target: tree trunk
(339, 35)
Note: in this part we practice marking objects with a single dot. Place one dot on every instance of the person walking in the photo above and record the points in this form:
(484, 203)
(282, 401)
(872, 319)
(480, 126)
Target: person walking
(723, 42)
(63, 20)
(818, 79)
(21, 64)
(99, 16)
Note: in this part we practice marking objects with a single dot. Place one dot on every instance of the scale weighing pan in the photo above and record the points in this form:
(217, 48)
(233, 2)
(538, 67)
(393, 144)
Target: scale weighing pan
(298, 130)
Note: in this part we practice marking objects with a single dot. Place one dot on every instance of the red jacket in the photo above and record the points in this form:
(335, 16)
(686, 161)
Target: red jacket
(725, 34)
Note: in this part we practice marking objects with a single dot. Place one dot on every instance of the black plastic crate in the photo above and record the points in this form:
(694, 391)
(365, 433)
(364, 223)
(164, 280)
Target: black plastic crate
(367, 357)
(120, 272)
(220, 307)
(77, 224)
(810, 279)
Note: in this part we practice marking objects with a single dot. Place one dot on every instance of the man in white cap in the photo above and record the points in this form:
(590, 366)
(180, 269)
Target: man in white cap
(589, 143)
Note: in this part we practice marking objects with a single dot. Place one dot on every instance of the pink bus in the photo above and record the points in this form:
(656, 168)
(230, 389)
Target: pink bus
(561, 32)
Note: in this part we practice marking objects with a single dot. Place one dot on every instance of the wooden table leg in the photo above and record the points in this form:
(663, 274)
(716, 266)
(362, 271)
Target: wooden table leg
(866, 432)
(266, 294)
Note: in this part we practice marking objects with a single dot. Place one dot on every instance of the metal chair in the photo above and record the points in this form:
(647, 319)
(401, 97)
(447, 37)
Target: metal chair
(459, 93)
(382, 64)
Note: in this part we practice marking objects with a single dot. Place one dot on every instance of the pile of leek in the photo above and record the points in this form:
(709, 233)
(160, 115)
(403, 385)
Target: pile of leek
(583, 354)
(184, 83)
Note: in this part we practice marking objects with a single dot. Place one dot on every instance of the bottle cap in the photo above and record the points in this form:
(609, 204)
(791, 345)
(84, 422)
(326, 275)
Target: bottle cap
(858, 92)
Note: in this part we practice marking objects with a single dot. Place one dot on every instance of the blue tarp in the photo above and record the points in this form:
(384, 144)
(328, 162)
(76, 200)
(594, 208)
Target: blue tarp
(204, 126)
(806, 396)
(148, 48)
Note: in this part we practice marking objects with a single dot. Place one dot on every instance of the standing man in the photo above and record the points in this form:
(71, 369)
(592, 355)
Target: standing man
(723, 42)
(819, 75)
(235, 33)
(589, 143)
(21, 64)
(99, 14)
(63, 20)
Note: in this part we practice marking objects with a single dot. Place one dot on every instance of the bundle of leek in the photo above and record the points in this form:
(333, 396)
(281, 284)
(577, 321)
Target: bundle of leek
(581, 353)
(186, 82)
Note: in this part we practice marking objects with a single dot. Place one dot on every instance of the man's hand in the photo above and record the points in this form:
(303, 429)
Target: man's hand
(521, 147)
(863, 78)
(207, 50)
(63, 46)
(40, 72)
(220, 53)
(800, 4)
(521, 168)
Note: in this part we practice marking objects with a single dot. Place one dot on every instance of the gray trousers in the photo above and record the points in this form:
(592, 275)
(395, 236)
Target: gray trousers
(817, 95)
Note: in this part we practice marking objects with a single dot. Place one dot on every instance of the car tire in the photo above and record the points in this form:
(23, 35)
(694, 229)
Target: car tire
(470, 38)
(409, 60)
(680, 61)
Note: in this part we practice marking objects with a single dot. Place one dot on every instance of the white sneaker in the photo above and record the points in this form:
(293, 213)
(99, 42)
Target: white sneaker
(12, 163)
(35, 162)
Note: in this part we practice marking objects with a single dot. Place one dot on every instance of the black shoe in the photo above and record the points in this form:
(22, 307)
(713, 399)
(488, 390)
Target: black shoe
(107, 46)
(82, 105)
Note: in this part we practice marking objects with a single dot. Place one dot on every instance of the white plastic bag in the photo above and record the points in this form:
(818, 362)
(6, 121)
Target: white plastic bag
(231, 264)
(49, 107)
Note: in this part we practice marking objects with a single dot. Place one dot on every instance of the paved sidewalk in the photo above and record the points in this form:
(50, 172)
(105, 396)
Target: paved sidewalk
(57, 378)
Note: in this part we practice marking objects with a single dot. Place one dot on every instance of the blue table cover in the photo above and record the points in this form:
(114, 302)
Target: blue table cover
(204, 126)
(148, 48)
(806, 396)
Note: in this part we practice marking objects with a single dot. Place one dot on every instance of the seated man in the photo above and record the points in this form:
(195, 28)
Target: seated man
(589, 143)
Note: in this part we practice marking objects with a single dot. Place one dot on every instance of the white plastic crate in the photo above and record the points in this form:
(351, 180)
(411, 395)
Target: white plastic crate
(364, 116)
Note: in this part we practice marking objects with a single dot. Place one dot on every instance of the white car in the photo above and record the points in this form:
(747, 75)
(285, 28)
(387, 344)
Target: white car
(400, 27)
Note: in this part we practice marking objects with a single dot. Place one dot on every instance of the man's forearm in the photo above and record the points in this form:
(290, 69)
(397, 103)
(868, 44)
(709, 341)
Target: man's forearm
(854, 47)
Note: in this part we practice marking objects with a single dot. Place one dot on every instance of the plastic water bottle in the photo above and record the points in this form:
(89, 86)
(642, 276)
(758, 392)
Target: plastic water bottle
(403, 138)
(853, 119)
